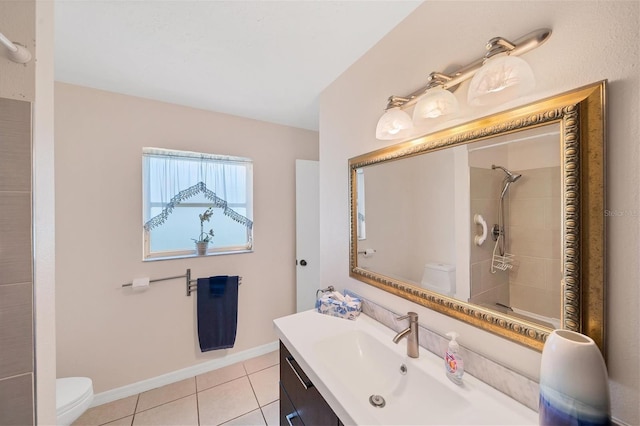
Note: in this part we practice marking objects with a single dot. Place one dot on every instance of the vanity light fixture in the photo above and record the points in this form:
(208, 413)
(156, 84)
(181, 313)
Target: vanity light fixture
(17, 53)
(436, 101)
(394, 120)
(501, 76)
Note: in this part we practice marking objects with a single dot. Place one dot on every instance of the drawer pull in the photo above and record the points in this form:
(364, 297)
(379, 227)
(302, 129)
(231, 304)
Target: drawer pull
(291, 416)
(306, 385)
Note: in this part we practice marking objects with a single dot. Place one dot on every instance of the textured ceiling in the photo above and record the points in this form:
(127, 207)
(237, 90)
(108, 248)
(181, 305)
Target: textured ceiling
(267, 60)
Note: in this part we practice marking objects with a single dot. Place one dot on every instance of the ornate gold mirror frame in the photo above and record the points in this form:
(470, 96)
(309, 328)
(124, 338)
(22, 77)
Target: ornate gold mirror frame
(580, 114)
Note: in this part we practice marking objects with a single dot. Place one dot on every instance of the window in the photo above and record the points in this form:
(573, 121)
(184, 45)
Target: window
(179, 187)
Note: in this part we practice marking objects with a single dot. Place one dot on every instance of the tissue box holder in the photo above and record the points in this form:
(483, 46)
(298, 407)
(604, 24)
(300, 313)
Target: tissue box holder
(329, 306)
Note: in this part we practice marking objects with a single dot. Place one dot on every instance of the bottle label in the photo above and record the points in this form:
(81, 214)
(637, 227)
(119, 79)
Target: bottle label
(450, 363)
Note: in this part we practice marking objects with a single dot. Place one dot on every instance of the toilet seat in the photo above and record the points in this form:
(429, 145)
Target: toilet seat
(73, 397)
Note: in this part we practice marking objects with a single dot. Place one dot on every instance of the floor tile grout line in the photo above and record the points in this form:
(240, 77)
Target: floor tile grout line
(197, 404)
(221, 383)
(270, 402)
(120, 418)
(255, 395)
(237, 417)
(135, 409)
(168, 402)
(133, 417)
(263, 416)
(262, 369)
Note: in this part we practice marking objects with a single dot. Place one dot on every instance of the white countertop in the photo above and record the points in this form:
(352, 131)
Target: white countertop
(348, 361)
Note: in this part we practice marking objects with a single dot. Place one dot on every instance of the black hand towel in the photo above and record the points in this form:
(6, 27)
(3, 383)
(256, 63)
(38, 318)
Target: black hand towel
(217, 312)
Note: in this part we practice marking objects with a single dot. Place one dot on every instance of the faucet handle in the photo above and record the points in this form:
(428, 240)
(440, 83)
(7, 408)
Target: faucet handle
(411, 316)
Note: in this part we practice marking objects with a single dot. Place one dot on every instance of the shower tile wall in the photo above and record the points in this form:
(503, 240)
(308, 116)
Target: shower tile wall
(16, 282)
(486, 288)
(534, 227)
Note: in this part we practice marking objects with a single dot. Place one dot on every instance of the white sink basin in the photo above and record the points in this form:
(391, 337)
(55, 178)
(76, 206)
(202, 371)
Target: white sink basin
(349, 361)
(366, 367)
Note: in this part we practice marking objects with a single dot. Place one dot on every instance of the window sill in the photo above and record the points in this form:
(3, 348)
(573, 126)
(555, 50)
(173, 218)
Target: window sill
(193, 255)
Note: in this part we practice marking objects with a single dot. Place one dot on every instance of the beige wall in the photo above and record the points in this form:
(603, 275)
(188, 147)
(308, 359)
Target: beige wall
(117, 337)
(381, 195)
(591, 41)
(410, 195)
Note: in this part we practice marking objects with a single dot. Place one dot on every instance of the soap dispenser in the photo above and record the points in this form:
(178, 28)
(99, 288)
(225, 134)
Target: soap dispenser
(453, 364)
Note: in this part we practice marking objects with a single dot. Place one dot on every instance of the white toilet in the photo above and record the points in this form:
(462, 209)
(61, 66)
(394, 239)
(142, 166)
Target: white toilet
(440, 278)
(73, 396)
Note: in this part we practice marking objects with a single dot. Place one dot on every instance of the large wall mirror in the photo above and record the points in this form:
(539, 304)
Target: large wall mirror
(498, 222)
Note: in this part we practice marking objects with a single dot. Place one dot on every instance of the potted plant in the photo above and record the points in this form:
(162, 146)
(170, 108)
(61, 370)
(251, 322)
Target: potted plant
(202, 241)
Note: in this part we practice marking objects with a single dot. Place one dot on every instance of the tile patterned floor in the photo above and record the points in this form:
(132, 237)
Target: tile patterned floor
(242, 394)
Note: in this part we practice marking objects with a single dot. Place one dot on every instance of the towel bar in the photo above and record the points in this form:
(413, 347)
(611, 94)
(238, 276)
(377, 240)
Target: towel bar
(191, 284)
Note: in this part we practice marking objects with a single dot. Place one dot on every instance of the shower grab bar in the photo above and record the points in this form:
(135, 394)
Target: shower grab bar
(191, 284)
(479, 220)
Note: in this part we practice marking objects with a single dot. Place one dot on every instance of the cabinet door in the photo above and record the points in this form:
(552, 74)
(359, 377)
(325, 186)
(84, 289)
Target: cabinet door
(310, 406)
(288, 414)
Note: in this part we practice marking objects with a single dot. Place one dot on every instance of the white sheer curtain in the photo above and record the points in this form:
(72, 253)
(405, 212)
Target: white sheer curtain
(168, 174)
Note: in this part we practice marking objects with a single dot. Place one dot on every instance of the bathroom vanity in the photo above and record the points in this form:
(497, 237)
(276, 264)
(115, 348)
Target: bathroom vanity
(334, 371)
(300, 401)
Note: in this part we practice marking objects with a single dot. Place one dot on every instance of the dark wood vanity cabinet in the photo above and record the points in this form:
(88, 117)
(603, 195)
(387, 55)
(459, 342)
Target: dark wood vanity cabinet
(300, 401)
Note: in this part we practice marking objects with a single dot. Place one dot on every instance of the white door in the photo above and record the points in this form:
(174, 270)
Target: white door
(307, 233)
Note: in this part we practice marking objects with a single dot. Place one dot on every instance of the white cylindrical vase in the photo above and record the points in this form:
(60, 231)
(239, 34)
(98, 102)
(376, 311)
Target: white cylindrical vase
(574, 385)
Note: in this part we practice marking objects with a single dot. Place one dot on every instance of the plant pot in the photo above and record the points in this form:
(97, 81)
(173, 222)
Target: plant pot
(574, 387)
(202, 248)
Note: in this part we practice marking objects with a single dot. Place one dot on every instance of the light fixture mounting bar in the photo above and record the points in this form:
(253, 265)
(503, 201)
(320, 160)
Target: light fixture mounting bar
(522, 45)
(396, 101)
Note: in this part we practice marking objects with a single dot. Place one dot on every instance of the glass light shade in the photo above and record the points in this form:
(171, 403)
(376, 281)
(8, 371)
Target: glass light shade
(501, 79)
(391, 123)
(435, 103)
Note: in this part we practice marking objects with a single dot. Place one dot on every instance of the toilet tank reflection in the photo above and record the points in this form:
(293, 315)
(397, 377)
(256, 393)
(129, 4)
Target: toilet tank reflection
(439, 277)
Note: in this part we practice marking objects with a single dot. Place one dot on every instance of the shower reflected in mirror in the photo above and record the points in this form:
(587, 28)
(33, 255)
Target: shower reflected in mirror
(515, 183)
(501, 259)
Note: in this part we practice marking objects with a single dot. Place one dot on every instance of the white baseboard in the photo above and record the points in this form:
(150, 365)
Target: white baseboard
(185, 373)
(617, 422)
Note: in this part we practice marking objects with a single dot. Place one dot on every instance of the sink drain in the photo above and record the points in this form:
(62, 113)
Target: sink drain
(377, 401)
